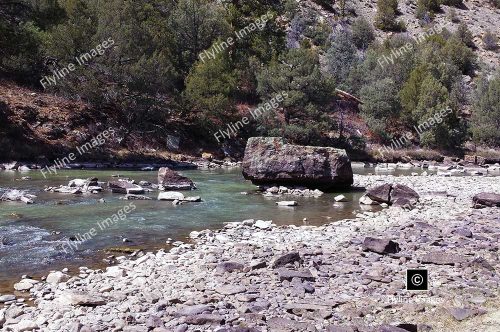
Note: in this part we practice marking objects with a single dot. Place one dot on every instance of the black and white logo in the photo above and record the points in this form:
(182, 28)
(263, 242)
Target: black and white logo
(417, 280)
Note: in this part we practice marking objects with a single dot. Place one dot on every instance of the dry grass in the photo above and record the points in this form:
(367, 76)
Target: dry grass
(404, 155)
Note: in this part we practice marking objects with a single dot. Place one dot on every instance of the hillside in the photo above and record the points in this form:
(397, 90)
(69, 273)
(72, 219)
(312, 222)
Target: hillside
(166, 92)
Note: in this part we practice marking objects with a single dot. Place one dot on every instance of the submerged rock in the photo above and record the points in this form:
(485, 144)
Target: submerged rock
(287, 203)
(269, 160)
(124, 187)
(171, 180)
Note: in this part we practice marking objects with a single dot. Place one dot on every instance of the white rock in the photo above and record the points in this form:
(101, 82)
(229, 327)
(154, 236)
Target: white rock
(25, 284)
(7, 298)
(115, 272)
(77, 183)
(57, 277)
(341, 198)
(192, 199)
(26, 200)
(365, 200)
(263, 224)
(25, 325)
(287, 203)
(170, 196)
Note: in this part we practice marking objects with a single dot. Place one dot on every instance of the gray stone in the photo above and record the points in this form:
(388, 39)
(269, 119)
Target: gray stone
(171, 180)
(381, 246)
(194, 310)
(82, 299)
(269, 160)
(487, 199)
(285, 274)
(380, 194)
(286, 259)
(204, 319)
(442, 258)
(230, 289)
(229, 267)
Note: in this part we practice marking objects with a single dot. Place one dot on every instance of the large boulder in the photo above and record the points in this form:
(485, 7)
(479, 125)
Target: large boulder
(171, 180)
(487, 199)
(269, 160)
(393, 194)
(380, 194)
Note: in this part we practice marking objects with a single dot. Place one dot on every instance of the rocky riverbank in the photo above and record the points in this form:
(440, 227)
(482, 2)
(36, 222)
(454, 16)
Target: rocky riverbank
(253, 276)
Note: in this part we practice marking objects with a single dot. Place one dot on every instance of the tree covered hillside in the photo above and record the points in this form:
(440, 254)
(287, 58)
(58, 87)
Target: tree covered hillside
(207, 63)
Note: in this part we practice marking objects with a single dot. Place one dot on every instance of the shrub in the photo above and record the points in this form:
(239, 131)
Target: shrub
(485, 125)
(452, 16)
(362, 33)
(490, 41)
(427, 7)
(386, 16)
(457, 53)
(495, 3)
(465, 35)
(452, 3)
(341, 56)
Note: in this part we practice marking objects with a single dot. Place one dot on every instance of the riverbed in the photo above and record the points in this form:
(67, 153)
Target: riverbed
(34, 236)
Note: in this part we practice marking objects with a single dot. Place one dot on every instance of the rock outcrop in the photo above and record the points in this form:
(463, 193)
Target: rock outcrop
(171, 180)
(269, 160)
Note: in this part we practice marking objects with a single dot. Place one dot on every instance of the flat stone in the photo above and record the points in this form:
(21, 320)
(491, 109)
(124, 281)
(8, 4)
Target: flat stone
(463, 313)
(7, 298)
(287, 203)
(25, 285)
(81, 299)
(25, 325)
(381, 246)
(285, 274)
(194, 310)
(286, 259)
(284, 324)
(204, 319)
(230, 289)
(229, 267)
(263, 224)
(272, 161)
(442, 258)
(487, 199)
(170, 196)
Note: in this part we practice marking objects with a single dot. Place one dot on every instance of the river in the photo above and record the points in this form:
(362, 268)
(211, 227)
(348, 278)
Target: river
(32, 237)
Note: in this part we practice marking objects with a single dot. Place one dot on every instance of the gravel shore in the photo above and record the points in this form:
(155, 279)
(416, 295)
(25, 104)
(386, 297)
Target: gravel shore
(254, 276)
